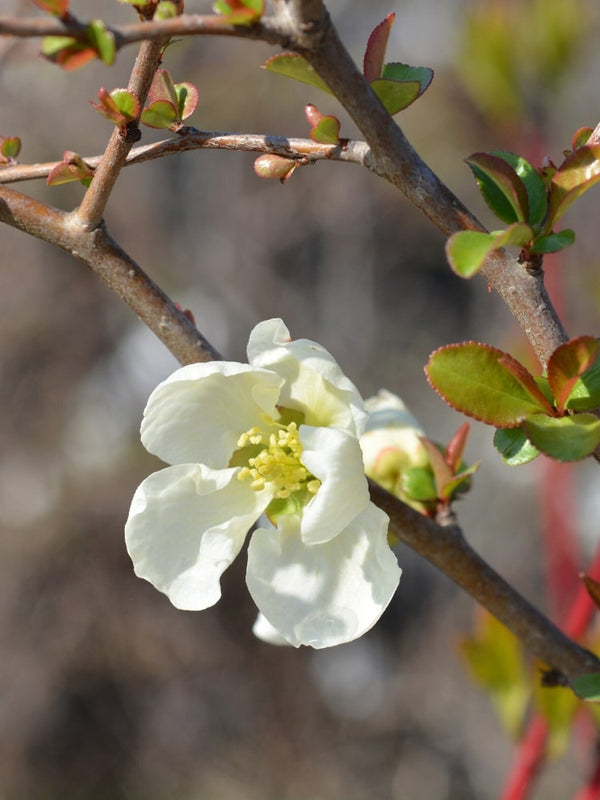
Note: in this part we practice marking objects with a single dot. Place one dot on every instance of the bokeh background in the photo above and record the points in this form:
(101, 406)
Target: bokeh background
(106, 691)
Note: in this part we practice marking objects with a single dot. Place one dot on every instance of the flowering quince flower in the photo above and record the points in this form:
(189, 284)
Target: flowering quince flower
(391, 444)
(278, 436)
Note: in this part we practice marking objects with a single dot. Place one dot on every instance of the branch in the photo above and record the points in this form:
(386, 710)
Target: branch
(118, 271)
(447, 549)
(395, 160)
(268, 29)
(354, 152)
(90, 212)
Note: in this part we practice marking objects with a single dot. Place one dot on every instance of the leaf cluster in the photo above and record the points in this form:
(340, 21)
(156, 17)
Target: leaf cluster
(551, 413)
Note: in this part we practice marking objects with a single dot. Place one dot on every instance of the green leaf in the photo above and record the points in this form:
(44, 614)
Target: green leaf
(568, 363)
(396, 71)
(10, 147)
(187, 99)
(71, 168)
(326, 131)
(102, 40)
(376, 47)
(466, 251)
(295, 66)
(535, 187)
(564, 438)
(66, 52)
(514, 446)
(585, 394)
(395, 96)
(553, 242)
(160, 114)
(165, 10)
(502, 189)
(480, 381)
(578, 173)
(580, 137)
(418, 483)
(240, 12)
(460, 483)
(588, 687)
(120, 106)
(494, 658)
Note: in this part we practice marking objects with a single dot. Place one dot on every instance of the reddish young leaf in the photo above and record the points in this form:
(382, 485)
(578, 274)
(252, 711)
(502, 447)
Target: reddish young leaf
(313, 115)
(567, 363)
(10, 147)
(327, 131)
(57, 7)
(376, 47)
(456, 447)
(187, 99)
(578, 173)
(442, 473)
(71, 168)
(66, 52)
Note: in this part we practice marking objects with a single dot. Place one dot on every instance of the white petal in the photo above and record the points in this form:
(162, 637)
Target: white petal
(326, 594)
(335, 458)
(314, 382)
(263, 629)
(199, 412)
(186, 525)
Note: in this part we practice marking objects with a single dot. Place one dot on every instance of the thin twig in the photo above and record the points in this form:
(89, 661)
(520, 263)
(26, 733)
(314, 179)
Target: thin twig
(307, 150)
(90, 212)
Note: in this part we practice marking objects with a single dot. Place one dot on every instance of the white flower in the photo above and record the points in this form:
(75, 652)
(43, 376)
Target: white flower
(278, 435)
(391, 443)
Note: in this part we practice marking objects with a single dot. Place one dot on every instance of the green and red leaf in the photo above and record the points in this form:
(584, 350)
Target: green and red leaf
(376, 47)
(119, 106)
(71, 168)
(295, 66)
(501, 187)
(568, 363)
(57, 7)
(160, 114)
(10, 147)
(485, 383)
(466, 251)
(240, 12)
(578, 173)
(325, 129)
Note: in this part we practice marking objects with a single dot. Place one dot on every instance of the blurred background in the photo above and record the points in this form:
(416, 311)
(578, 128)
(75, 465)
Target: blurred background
(106, 691)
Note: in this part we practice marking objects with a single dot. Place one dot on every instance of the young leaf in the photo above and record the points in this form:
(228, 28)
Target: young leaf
(119, 106)
(442, 473)
(553, 242)
(10, 147)
(568, 363)
(514, 446)
(295, 66)
(240, 12)
(327, 131)
(187, 99)
(588, 687)
(456, 447)
(535, 187)
(580, 137)
(564, 438)
(578, 173)
(71, 168)
(395, 71)
(585, 394)
(160, 114)
(395, 96)
(162, 88)
(102, 40)
(66, 52)
(502, 188)
(466, 251)
(476, 379)
(460, 483)
(418, 484)
(376, 47)
(57, 7)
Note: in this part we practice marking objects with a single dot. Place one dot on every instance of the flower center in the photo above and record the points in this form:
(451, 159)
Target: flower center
(275, 457)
